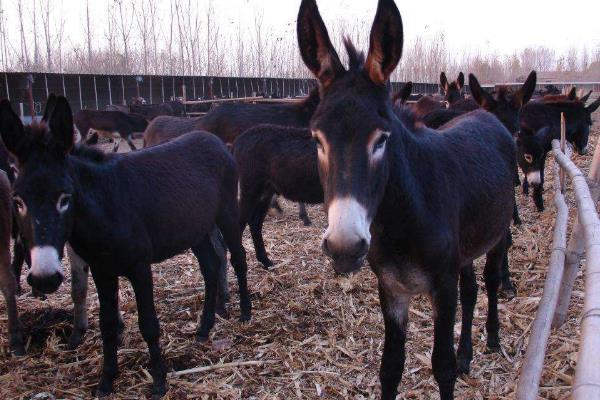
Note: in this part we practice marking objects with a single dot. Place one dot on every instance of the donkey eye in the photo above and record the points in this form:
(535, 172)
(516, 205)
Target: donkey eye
(528, 158)
(317, 141)
(63, 202)
(20, 205)
(380, 142)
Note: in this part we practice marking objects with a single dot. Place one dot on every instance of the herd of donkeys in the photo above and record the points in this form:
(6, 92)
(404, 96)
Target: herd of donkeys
(419, 188)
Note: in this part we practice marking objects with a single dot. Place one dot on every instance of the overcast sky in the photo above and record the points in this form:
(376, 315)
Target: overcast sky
(492, 26)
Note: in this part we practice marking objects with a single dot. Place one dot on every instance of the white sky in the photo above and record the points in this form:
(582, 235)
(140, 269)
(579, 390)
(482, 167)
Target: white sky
(491, 26)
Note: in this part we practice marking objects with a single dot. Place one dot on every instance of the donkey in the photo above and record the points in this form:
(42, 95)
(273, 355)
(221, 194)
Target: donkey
(406, 199)
(112, 124)
(78, 194)
(8, 282)
(537, 115)
(274, 160)
(453, 92)
(228, 121)
(401, 96)
(79, 269)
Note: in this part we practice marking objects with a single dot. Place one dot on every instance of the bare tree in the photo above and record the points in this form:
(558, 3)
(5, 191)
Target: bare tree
(124, 27)
(88, 32)
(24, 52)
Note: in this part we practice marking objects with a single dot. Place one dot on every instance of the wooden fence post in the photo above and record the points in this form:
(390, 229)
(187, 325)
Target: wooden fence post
(575, 248)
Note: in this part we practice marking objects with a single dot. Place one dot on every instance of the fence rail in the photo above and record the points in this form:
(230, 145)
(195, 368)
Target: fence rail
(564, 263)
(87, 91)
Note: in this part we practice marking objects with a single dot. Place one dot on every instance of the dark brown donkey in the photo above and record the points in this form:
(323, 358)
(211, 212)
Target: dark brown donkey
(121, 213)
(228, 121)
(453, 92)
(274, 160)
(422, 205)
(111, 124)
(8, 282)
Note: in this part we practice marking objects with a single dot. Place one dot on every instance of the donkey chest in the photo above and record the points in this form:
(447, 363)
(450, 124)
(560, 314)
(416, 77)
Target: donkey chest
(403, 276)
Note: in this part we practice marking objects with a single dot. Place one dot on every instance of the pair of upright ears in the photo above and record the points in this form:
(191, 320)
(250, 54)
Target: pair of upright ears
(57, 115)
(319, 55)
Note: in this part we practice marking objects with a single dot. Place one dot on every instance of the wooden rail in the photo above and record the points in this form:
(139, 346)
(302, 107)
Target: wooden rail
(564, 263)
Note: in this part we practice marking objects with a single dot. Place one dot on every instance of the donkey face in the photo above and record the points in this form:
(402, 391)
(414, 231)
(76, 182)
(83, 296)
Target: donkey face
(505, 104)
(531, 150)
(352, 127)
(578, 128)
(44, 189)
(452, 90)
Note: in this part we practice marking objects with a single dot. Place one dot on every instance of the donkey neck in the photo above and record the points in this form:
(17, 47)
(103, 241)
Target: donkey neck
(100, 213)
(405, 196)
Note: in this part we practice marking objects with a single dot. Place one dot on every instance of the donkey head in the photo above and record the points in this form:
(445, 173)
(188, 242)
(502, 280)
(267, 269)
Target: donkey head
(505, 104)
(452, 90)
(402, 95)
(578, 127)
(44, 189)
(352, 127)
(531, 150)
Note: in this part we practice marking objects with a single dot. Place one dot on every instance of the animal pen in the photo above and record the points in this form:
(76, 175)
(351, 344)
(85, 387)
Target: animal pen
(562, 271)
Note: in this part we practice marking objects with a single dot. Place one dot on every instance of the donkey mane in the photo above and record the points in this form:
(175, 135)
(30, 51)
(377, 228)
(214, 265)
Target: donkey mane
(503, 92)
(90, 153)
(356, 58)
(571, 105)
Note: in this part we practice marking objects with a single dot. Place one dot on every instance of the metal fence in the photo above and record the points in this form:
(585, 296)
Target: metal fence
(87, 91)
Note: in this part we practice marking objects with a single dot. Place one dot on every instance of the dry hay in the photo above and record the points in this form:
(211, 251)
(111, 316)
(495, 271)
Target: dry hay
(312, 335)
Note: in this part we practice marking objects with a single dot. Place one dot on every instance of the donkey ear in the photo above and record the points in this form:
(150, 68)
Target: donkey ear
(526, 91)
(61, 124)
(483, 98)
(594, 106)
(315, 46)
(385, 42)
(11, 127)
(460, 80)
(403, 94)
(444, 81)
(50, 103)
(585, 98)
(572, 95)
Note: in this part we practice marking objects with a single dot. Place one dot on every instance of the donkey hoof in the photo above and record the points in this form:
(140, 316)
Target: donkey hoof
(222, 312)
(17, 349)
(307, 222)
(158, 391)
(266, 263)
(75, 340)
(201, 337)
(463, 366)
(508, 292)
(493, 345)
(104, 389)
(245, 317)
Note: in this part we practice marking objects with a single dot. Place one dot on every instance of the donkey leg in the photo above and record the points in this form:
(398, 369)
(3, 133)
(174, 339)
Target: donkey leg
(525, 186)
(18, 260)
(130, 142)
(443, 359)
(508, 289)
(107, 286)
(116, 145)
(218, 244)
(8, 286)
(492, 279)
(303, 214)
(256, 223)
(79, 286)
(141, 281)
(229, 227)
(394, 306)
(275, 205)
(209, 264)
(516, 217)
(468, 298)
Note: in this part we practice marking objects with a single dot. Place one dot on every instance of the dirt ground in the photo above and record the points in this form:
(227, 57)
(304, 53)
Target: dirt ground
(312, 335)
